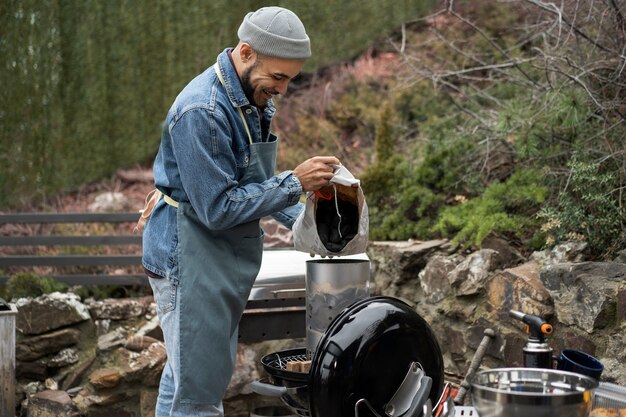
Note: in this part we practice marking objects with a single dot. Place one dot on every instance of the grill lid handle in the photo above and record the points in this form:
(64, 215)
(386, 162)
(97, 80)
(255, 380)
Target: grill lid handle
(411, 395)
(263, 387)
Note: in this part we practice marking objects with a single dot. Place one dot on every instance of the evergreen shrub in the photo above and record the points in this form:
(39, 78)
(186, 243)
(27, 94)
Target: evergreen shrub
(26, 284)
(504, 208)
(588, 209)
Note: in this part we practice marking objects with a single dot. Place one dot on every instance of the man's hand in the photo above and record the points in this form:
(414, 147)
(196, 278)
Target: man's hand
(314, 173)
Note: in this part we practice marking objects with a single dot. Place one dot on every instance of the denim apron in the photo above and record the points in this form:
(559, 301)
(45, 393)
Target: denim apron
(217, 271)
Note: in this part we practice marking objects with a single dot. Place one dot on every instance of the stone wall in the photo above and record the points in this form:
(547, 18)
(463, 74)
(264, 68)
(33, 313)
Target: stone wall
(462, 294)
(104, 358)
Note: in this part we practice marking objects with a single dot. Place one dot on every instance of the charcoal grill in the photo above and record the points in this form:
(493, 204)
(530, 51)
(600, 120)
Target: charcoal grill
(378, 358)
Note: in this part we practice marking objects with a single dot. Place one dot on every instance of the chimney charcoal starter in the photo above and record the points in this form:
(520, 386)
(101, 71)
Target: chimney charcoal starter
(331, 286)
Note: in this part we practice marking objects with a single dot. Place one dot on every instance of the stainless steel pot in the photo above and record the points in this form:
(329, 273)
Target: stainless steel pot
(534, 392)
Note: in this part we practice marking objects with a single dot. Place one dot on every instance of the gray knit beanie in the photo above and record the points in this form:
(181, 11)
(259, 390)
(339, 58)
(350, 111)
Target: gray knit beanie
(275, 32)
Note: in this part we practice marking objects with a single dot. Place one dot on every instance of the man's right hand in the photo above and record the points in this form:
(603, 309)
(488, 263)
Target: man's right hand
(316, 172)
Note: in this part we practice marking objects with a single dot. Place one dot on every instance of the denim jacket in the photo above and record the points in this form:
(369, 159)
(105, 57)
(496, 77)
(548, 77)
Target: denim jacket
(204, 152)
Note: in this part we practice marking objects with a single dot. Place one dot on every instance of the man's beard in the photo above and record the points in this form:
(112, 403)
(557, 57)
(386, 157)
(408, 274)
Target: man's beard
(248, 89)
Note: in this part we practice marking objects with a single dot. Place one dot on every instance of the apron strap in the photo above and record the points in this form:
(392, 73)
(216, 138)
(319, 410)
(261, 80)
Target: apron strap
(152, 198)
(218, 71)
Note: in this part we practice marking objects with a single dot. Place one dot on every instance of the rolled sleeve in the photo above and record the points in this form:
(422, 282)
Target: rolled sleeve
(294, 186)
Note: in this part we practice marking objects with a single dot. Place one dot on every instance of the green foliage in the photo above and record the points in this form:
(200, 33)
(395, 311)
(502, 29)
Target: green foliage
(406, 190)
(385, 141)
(86, 85)
(504, 208)
(27, 284)
(587, 210)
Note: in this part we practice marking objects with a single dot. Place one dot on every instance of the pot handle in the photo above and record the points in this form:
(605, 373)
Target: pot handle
(263, 387)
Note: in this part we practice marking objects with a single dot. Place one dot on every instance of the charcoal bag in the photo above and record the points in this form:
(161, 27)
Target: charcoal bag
(335, 219)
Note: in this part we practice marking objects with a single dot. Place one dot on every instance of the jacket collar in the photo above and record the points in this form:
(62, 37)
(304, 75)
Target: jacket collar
(232, 84)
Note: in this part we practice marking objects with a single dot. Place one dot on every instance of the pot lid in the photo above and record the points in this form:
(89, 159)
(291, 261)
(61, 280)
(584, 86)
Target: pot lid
(365, 354)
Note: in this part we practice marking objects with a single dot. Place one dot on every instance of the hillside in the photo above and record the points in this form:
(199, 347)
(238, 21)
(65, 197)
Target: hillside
(496, 119)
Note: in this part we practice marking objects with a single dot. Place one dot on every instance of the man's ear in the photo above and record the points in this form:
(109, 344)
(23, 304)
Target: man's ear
(246, 53)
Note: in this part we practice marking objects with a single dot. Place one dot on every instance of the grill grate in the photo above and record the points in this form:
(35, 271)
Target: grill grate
(280, 362)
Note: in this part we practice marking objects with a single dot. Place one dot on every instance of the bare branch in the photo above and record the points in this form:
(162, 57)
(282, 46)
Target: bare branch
(487, 38)
(618, 16)
(514, 63)
(552, 8)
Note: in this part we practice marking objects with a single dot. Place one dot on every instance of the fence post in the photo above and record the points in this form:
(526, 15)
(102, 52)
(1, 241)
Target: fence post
(7, 358)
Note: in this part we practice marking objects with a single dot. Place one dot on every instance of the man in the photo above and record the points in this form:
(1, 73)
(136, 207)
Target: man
(202, 244)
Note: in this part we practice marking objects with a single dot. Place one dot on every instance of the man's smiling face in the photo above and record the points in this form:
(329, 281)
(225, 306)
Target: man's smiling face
(268, 76)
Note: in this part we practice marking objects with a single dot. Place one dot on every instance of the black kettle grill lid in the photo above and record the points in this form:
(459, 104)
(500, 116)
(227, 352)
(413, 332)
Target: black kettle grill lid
(366, 353)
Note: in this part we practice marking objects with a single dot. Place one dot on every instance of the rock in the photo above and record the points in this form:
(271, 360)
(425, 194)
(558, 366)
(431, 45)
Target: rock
(398, 263)
(152, 329)
(109, 201)
(31, 388)
(245, 372)
(145, 366)
(112, 339)
(469, 277)
(434, 277)
(616, 345)
(74, 391)
(451, 367)
(564, 338)
(565, 252)
(139, 343)
(513, 349)
(148, 365)
(147, 402)
(31, 370)
(614, 357)
(456, 346)
(119, 308)
(106, 399)
(65, 357)
(621, 305)
(521, 289)
(34, 347)
(51, 384)
(105, 378)
(459, 310)
(585, 294)
(73, 377)
(102, 326)
(477, 333)
(49, 312)
(51, 403)
(509, 256)
(621, 257)
(613, 371)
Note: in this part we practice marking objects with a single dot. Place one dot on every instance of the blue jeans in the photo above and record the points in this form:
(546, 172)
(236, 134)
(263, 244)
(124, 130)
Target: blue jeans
(167, 298)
